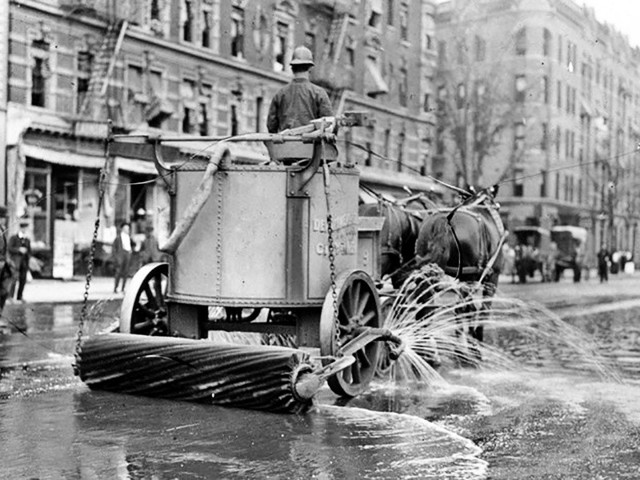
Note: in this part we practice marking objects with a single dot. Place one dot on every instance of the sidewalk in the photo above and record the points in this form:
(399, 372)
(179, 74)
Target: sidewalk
(565, 293)
(69, 291)
(553, 294)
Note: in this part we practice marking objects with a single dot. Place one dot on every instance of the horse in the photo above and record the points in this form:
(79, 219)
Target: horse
(466, 243)
(398, 238)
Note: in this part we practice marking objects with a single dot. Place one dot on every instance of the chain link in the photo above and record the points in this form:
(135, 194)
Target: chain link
(92, 252)
(331, 246)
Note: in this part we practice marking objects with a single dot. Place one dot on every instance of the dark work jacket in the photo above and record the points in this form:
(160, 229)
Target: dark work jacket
(17, 258)
(297, 104)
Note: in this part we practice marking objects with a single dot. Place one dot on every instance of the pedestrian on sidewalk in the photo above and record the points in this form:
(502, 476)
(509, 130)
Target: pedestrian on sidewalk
(122, 249)
(603, 264)
(19, 253)
(6, 272)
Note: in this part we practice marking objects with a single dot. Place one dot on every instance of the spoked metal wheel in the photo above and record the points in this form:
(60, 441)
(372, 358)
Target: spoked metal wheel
(144, 311)
(357, 305)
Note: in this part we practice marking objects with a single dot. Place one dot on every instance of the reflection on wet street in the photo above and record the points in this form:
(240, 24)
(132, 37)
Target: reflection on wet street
(550, 418)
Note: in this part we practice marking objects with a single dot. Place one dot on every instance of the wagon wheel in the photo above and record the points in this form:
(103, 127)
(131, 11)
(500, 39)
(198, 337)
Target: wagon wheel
(358, 305)
(144, 311)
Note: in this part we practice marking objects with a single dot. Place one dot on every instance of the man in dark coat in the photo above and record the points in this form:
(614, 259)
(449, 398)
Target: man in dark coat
(6, 273)
(19, 253)
(301, 101)
(604, 257)
(122, 248)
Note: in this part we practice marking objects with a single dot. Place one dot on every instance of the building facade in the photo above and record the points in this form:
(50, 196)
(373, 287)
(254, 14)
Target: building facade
(568, 123)
(192, 68)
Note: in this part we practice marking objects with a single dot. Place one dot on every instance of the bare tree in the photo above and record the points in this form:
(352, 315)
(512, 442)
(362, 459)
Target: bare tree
(479, 100)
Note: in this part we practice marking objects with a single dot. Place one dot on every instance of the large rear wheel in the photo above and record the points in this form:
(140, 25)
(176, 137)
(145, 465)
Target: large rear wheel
(144, 310)
(357, 305)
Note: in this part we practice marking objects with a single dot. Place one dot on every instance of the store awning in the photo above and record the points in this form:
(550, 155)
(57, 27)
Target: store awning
(374, 84)
(74, 159)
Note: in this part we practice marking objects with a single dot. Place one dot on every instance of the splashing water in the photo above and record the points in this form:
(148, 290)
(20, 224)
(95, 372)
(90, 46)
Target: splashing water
(434, 315)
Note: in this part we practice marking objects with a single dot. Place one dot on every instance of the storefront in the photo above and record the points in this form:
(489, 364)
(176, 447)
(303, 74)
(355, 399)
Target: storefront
(59, 194)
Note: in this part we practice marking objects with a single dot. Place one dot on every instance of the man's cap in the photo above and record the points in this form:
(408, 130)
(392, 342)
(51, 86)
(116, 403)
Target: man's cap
(302, 56)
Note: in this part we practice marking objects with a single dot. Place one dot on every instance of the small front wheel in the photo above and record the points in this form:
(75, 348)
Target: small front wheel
(356, 304)
(144, 310)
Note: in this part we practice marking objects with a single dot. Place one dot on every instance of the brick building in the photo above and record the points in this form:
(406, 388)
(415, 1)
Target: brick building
(192, 67)
(567, 151)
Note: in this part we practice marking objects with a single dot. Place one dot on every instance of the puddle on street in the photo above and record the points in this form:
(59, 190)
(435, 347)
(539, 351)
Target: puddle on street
(555, 419)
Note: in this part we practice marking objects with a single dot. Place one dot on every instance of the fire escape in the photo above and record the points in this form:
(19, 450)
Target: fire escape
(327, 72)
(95, 105)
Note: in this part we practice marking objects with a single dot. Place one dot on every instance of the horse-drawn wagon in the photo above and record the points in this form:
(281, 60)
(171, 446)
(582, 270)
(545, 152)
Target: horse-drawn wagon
(279, 248)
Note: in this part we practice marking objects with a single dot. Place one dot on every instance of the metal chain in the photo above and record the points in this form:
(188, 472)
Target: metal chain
(92, 251)
(331, 244)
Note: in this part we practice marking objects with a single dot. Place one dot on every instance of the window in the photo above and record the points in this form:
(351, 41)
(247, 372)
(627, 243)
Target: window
(187, 93)
(545, 89)
(37, 181)
(65, 193)
(234, 120)
(261, 34)
(521, 87)
(521, 42)
(237, 32)
(204, 105)
(559, 95)
(155, 10)
(543, 184)
(203, 119)
(374, 18)
(39, 72)
(207, 27)
(404, 21)
(403, 87)
(187, 20)
(259, 108)
(159, 110)
(280, 47)
(518, 188)
(426, 104)
(400, 151)
(387, 143)
(546, 43)
(480, 49)
(544, 141)
(135, 83)
(350, 48)
(84, 64)
(428, 42)
(390, 11)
